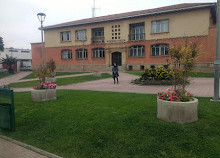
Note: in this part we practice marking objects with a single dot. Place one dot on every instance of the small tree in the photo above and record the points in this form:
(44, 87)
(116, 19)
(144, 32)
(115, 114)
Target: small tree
(184, 58)
(42, 73)
(51, 66)
(1, 44)
(9, 61)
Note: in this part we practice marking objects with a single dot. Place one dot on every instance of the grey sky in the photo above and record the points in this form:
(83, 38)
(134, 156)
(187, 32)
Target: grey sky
(19, 23)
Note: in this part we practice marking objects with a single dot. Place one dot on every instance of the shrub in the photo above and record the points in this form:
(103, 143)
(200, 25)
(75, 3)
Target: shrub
(178, 95)
(51, 66)
(42, 73)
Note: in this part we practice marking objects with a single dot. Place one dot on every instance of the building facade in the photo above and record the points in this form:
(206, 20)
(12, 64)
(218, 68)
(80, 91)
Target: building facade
(23, 56)
(134, 40)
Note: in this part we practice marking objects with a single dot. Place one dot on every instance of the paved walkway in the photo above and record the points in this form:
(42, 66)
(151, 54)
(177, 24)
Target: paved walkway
(203, 87)
(12, 150)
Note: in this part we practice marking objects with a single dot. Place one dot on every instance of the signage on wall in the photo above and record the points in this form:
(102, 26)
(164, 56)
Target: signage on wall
(116, 41)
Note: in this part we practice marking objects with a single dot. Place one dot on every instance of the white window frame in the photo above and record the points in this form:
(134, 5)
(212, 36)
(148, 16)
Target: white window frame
(66, 54)
(65, 36)
(81, 55)
(137, 31)
(81, 34)
(98, 53)
(159, 49)
(160, 26)
(137, 51)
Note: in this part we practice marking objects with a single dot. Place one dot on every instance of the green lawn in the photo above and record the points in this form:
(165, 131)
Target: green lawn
(109, 124)
(62, 81)
(33, 74)
(5, 74)
(194, 74)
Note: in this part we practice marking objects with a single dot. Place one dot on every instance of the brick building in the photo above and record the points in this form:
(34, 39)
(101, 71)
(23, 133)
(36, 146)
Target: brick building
(135, 40)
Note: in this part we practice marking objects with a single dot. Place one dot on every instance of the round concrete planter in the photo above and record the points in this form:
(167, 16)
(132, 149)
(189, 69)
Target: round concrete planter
(43, 95)
(50, 79)
(180, 112)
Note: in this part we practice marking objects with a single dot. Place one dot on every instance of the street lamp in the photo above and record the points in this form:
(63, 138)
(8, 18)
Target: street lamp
(41, 17)
(216, 63)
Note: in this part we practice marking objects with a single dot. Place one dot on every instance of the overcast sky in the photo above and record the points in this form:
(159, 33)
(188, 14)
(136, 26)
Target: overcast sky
(19, 23)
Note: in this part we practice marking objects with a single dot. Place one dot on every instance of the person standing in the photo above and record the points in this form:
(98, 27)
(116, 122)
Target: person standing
(115, 73)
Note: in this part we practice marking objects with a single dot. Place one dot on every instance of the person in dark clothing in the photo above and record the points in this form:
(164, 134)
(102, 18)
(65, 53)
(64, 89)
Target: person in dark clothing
(115, 73)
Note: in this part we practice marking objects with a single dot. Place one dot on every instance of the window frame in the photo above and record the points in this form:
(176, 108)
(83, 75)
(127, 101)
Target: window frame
(94, 30)
(81, 56)
(158, 49)
(78, 37)
(98, 53)
(70, 54)
(67, 34)
(135, 51)
(159, 23)
(137, 30)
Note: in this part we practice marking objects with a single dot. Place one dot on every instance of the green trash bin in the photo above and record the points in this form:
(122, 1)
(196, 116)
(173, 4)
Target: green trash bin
(7, 117)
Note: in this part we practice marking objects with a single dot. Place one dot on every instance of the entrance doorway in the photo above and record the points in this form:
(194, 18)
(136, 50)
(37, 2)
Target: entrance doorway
(116, 58)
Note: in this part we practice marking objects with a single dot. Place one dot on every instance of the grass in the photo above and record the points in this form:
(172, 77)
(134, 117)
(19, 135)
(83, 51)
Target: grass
(110, 124)
(61, 81)
(5, 74)
(33, 74)
(193, 74)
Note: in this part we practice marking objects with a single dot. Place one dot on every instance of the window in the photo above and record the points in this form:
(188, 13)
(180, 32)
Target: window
(159, 49)
(81, 34)
(65, 36)
(98, 53)
(13, 50)
(98, 32)
(160, 26)
(66, 54)
(137, 31)
(80, 54)
(137, 51)
(116, 31)
(25, 51)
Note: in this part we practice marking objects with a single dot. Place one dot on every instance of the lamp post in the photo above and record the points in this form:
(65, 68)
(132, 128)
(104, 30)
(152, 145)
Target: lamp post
(83, 54)
(41, 17)
(216, 63)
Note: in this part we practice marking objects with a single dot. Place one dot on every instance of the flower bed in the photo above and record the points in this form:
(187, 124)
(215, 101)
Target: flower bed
(46, 85)
(177, 106)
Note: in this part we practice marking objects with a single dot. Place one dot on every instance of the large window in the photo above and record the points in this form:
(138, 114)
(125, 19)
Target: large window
(98, 35)
(160, 26)
(65, 36)
(159, 49)
(137, 51)
(66, 54)
(98, 53)
(81, 34)
(80, 54)
(137, 31)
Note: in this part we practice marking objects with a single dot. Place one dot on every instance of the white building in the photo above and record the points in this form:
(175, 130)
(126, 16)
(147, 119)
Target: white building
(24, 57)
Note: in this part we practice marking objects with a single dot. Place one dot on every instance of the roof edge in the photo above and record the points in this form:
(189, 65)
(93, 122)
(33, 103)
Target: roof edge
(205, 5)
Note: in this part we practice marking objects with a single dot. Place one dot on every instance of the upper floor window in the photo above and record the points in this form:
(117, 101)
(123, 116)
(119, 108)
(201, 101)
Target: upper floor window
(137, 31)
(160, 26)
(98, 53)
(137, 51)
(25, 51)
(65, 36)
(81, 34)
(66, 54)
(159, 49)
(80, 54)
(98, 35)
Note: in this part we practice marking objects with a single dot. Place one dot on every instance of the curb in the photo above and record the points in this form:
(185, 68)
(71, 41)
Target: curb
(37, 150)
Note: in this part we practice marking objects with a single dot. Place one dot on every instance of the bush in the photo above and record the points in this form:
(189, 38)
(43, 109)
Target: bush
(159, 76)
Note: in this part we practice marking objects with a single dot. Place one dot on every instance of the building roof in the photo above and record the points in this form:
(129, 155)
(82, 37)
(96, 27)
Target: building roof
(134, 14)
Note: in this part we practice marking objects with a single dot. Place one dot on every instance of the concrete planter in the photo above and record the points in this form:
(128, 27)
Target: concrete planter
(50, 79)
(180, 112)
(43, 95)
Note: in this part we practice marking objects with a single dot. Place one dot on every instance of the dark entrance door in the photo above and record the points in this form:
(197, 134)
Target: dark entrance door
(116, 58)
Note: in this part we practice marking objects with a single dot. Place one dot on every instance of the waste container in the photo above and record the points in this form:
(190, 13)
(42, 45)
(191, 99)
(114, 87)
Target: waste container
(7, 117)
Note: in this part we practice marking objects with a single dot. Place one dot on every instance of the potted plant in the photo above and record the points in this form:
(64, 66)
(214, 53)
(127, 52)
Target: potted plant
(179, 105)
(45, 91)
(51, 67)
